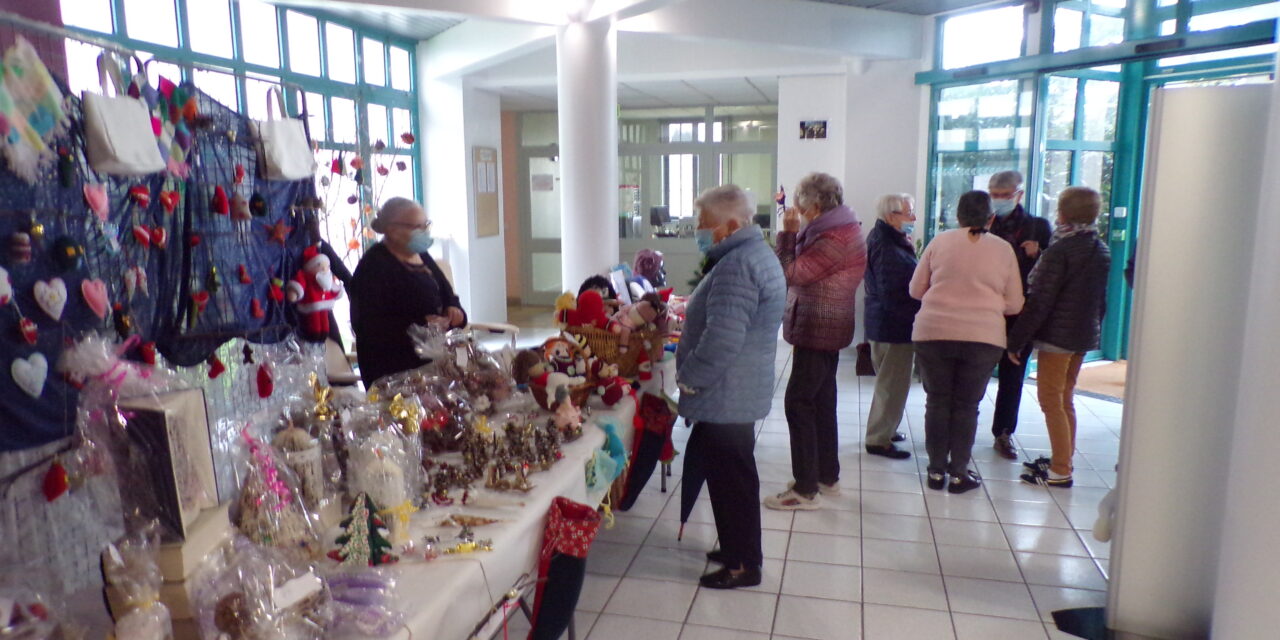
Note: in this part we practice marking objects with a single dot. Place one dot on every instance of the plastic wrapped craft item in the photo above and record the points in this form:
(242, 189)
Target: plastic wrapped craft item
(260, 594)
(130, 567)
(388, 472)
(270, 511)
(302, 453)
(364, 604)
(26, 614)
(428, 341)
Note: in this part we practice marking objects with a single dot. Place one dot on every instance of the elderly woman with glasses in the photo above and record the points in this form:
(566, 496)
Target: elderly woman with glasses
(397, 284)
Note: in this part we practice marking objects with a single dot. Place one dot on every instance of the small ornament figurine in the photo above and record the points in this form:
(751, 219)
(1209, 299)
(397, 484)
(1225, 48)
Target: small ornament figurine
(278, 232)
(567, 419)
(467, 543)
(20, 247)
(67, 254)
(168, 200)
(243, 273)
(215, 366)
(302, 454)
(648, 312)
(315, 290)
(363, 542)
(218, 203)
(257, 205)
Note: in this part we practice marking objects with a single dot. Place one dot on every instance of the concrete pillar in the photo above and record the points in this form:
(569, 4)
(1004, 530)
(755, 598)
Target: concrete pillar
(586, 67)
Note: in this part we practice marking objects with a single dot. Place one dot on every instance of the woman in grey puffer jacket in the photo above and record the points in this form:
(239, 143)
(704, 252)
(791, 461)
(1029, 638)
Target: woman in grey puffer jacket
(1066, 300)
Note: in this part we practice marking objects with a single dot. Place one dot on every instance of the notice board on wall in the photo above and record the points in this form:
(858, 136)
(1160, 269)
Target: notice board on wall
(484, 162)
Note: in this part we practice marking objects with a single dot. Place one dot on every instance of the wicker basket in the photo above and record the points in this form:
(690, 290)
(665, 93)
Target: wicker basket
(578, 395)
(605, 345)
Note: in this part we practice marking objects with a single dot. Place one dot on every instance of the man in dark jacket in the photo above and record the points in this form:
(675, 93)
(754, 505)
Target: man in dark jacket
(1062, 318)
(890, 314)
(1029, 235)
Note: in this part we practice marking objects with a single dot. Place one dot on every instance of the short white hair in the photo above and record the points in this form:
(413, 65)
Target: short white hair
(893, 202)
(724, 202)
(392, 210)
(819, 190)
(1005, 180)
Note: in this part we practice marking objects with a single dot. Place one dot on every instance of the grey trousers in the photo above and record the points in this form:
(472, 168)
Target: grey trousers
(955, 376)
(893, 362)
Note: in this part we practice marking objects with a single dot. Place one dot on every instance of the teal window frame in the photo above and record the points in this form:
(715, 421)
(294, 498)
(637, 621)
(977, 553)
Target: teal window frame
(1139, 74)
(361, 92)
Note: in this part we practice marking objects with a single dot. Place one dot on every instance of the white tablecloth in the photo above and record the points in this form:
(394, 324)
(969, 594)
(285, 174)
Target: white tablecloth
(444, 599)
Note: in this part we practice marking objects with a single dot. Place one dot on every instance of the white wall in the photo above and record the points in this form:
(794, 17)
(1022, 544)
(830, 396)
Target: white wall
(801, 98)
(487, 256)
(882, 153)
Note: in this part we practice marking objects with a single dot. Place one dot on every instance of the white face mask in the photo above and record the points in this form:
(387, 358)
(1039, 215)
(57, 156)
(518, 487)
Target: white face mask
(1003, 206)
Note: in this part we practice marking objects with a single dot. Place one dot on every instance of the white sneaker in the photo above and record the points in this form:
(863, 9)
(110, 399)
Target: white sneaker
(824, 489)
(789, 500)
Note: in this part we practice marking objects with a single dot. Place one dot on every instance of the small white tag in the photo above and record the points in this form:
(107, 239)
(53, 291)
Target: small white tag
(295, 590)
(463, 359)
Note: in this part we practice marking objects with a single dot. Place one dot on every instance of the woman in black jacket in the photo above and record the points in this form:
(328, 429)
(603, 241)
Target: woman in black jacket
(395, 285)
(1066, 300)
(890, 314)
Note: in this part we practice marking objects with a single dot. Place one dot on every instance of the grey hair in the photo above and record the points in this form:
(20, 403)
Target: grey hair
(724, 202)
(888, 204)
(821, 190)
(1005, 180)
(391, 210)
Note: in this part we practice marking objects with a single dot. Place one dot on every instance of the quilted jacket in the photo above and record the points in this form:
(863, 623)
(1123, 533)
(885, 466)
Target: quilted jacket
(891, 260)
(822, 281)
(1067, 296)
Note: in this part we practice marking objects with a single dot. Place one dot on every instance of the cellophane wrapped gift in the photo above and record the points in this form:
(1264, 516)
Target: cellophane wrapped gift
(259, 593)
(383, 467)
(31, 615)
(364, 604)
(130, 566)
(270, 510)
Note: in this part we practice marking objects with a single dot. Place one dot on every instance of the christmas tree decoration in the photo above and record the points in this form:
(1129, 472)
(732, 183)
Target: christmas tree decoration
(247, 353)
(243, 273)
(168, 200)
(142, 235)
(34, 228)
(135, 280)
(95, 195)
(357, 163)
(140, 195)
(278, 232)
(380, 146)
(265, 381)
(255, 309)
(239, 174)
(215, 366)
(30, 373)
(401, 165)
(383, 170)
(199, 301)
(193, 240)
(159, 238)
(336, 165)
(275, 290)
(239, 208)
(218, 203)
(51, 296)
(352, 199)
(67, 254)
(20, 247)
(95, 296)
(363, 542)
(56, 481)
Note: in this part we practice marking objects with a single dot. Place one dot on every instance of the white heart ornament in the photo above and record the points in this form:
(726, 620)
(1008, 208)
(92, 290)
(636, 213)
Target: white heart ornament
(30, 374)
(51, 295)
(6, 287)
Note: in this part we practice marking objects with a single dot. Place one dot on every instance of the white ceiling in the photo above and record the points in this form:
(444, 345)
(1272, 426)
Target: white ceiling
(917, 7)
(414, 24)
(746, 91)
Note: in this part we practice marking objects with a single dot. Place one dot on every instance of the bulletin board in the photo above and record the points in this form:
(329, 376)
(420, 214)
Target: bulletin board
(484, 161)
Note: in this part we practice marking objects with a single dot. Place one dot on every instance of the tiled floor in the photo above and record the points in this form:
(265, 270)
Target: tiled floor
(888, 559)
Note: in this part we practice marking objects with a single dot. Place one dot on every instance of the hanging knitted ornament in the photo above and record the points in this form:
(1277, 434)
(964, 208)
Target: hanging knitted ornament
(219, 203)
(159, 237)
(243, 272)
(212, 280)
(28, 329)
(239, 174)
(66, 168)
(56, 481)
(215, 366)
(168, 200)
(276, 290)
(123, 320)
(140, 195)
(147, 351)
(266, 382)
(257, 205)
(255, 308)
(67, 254)
(248, 354)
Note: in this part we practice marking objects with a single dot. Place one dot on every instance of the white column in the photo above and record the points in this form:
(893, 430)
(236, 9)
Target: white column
(1249, 567)
(586, 66)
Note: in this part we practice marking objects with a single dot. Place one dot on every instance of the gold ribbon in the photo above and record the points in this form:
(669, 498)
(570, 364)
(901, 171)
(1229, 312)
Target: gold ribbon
(323, 395)
(405, 413)
(401, 513)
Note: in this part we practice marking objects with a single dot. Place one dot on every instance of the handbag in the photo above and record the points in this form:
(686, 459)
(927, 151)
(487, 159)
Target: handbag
(282, 143)
(119, 139)
(863, 366)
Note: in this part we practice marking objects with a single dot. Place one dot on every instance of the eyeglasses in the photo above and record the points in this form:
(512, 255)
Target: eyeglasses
(426, 226)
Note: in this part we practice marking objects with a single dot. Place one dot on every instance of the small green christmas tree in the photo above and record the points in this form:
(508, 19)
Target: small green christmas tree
(363, 542)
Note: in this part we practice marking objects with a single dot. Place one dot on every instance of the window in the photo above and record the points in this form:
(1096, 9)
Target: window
(1087, 23)
(982, 36)
(401, 75)
(94, 15)
(219, 86)
(342, 53)
(152, 21)
(304, 43)
(214, 33)
(258, 33)
(375, 66)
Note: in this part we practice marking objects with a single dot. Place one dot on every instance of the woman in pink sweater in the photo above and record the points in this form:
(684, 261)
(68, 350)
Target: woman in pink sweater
(967, 282)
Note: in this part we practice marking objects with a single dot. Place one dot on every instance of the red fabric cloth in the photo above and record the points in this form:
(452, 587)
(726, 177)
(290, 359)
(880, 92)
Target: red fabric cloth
(822, 281)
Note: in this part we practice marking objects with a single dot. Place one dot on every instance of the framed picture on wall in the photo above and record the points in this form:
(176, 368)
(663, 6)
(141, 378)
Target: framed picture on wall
(813, 129)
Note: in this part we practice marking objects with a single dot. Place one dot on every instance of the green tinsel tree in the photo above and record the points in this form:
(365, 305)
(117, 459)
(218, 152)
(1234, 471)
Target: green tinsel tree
(363, 542)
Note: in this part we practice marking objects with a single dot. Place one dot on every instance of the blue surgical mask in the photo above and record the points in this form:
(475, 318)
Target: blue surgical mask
(1003, 206)
(421, 241)
(908, 227)
(705, 240)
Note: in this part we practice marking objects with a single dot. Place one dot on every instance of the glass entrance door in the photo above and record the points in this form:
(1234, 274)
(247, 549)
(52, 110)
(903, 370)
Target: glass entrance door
(540, 229)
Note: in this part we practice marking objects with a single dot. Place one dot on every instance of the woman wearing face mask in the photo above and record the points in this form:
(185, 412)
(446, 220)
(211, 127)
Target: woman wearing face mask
(395, 285)
(823, 263)
(891, 311)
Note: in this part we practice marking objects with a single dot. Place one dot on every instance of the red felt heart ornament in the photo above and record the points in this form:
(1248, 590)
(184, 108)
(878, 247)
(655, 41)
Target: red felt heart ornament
(169, 200)
(142, 234)
(159, 237)
(201, 300)
(148, 353)
(56, 482)
(266, 382)
(140, 195)
(220, 204)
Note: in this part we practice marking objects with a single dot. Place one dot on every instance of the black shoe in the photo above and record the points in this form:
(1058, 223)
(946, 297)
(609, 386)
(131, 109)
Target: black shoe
(1039, 465)
(717, 556)
(962, 484)
(936, 480)
(898, 437)
(725, 579)
(888, 451)
(1004, 446)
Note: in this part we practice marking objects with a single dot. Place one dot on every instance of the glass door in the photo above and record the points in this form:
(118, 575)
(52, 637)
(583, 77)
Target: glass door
(540, 229)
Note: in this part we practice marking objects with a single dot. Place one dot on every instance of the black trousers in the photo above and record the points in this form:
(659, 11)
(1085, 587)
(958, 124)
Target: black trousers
(955, 376)
(728, 451)
(1009, 397)
(811, 418)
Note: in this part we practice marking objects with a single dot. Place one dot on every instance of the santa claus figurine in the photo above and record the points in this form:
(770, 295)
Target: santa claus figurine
(314, 289)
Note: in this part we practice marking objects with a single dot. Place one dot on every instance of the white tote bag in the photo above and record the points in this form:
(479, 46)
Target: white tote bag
(117, 128)
(286, 155)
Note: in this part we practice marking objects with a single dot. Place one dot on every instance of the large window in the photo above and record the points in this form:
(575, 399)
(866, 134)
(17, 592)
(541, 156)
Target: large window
(355, 87)
(982, 36)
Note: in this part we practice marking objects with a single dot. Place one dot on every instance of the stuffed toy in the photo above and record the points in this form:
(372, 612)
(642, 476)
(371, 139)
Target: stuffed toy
(556, 382)
(564, 357)
(528, 364)
(564, 304)
(314, 289)
(587, 312)
(648, 312)
(608, 384)
(649, 263)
